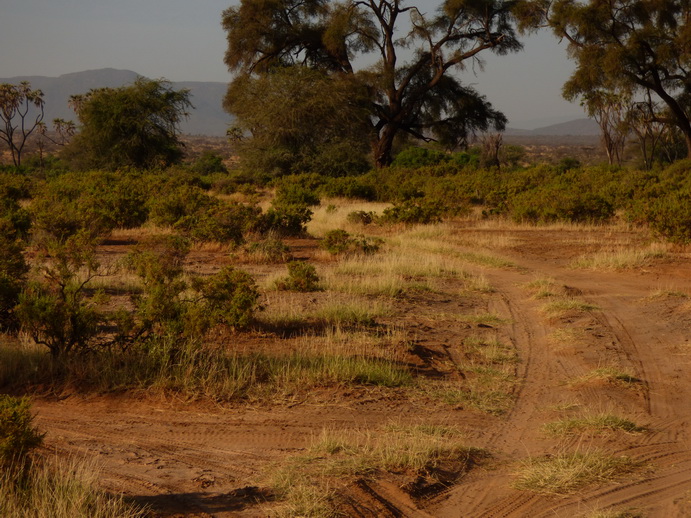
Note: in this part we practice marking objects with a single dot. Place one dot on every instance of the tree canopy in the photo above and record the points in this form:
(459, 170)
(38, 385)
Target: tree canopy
(633, 47)
(411, 84)
(130, 126)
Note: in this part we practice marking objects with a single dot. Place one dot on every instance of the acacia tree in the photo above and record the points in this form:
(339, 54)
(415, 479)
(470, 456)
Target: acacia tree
(411, 86)
(18, 119)
(636, 46)
(130, 126)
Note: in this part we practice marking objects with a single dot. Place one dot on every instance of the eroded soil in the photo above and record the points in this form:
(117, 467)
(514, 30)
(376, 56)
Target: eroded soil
(199, 459)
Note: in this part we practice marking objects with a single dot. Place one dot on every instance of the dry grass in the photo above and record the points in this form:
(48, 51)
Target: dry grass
(558, 307)
(607, 375)
(568, 472)
(62, 488)
(622, 258)
(592, 425)
(333, 213)
(310, 484)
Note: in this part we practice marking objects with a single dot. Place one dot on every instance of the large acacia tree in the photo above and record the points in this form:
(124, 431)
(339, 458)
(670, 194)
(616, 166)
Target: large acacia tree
(632, 47)
(405, 58)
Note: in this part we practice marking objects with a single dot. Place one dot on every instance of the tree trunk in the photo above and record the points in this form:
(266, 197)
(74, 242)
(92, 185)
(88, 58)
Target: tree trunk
(383, 145)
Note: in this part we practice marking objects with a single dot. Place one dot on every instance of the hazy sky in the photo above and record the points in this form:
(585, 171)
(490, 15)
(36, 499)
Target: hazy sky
(182, 40)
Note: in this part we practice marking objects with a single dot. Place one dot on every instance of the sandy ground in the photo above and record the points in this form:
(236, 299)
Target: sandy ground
(199, 459)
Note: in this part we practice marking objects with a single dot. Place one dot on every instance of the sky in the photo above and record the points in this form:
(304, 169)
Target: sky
(182, 40)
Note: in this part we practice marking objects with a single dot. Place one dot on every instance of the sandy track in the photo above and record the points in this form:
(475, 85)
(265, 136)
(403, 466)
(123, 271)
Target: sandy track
(205, 461)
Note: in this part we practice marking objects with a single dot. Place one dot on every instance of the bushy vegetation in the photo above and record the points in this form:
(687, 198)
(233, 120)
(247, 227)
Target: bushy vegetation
(18, 436)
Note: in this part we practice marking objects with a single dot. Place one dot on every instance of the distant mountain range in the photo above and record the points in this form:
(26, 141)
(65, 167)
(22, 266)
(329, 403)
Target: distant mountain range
(208, 117)
(578, 127)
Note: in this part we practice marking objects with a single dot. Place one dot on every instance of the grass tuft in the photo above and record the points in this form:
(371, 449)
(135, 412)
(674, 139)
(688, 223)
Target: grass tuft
(568, 472)
(597, 424)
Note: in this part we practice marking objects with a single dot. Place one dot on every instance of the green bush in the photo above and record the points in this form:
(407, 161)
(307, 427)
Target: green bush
(550, 205)
(169, 306)
(340, 242)
(209, 162)
(413, 212)
(670, 216)
(200, 217)
(18, 436)
(13, 270)
(95, 202)
(229, 297)
(269, 250)
(352, 187)
(54, 309)
(302, 277)
(415, 157)
(290, 194)
(288, 220)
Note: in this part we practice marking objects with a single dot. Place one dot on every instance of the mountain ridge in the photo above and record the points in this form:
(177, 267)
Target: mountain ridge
(208, 116)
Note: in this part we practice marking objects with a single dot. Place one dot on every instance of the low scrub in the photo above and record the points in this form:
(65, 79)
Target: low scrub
(302, 276)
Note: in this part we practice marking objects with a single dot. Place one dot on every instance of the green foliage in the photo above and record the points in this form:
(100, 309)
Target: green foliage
(130, 126)
(413, 212)
(209, 162)
(415, 157)
(300, 120)
(550, 205)
(13, 270)
(353, 187)
(340, 242)
(199, 216)
(18, 436)
(229, 297)
(302, 276)
(269, 250)
(288, 220)
(54, 309)
(631, 48)
(295, 194)
(296, 73)
(170, 306)
(94, 202)
(670, 216)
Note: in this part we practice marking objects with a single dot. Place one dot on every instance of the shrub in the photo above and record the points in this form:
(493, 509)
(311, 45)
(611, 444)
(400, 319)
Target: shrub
(353, 187)
(285, 220)
(338, 242)
(13, 270)
(361, 217)
(415, 157)
(230, 297)
(209, 162)
(549, 205)
(203, 218)
(413, 212)
(290, 194)
(670, 216)
(269, 250)
(171, 307)
(17, 435)
(302, 276)
(54, 310)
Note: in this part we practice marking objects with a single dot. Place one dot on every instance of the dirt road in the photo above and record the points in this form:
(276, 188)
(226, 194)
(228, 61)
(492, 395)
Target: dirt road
(197, 459)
